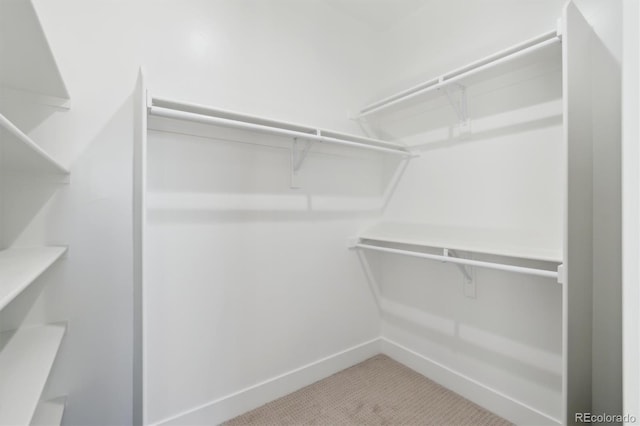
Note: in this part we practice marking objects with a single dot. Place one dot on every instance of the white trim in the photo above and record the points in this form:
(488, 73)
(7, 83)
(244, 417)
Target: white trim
(485, 396)
(631, 209)
(234, 404)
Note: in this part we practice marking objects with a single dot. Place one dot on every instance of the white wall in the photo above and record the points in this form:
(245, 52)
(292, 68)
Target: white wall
(467, 170)
(91, 287)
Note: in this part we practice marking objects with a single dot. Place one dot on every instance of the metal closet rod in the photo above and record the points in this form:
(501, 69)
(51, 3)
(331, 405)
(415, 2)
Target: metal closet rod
(470, 262)
(244, 122)
(502, 57)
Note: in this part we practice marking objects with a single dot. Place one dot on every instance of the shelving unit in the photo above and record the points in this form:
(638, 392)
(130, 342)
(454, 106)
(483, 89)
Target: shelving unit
(544, 51)
(565, 50)
(19, 267)
(25, 363)
(29, 74)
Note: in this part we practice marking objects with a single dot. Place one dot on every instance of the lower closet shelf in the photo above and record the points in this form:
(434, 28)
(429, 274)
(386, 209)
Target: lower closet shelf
(19, 267)
(384, 237)
(26, 358)
(498, 242)
(48, 413)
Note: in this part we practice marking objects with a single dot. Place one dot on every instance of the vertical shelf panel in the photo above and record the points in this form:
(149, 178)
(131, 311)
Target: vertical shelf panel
(578, 241)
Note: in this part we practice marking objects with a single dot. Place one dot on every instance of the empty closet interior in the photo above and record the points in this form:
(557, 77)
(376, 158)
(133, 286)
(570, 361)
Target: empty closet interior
(220, 203)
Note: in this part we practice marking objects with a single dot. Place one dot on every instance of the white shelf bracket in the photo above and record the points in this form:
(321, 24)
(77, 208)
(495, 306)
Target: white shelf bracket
(468, 281)
(299, 152)
(457, 97)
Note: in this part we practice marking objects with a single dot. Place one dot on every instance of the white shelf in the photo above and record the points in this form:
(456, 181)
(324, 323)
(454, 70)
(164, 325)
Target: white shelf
(19, 153)
(184, 111)
(27, 60)
(48, 413)
(19, 267)
(544, 51)
(26, 359)
(487, 241)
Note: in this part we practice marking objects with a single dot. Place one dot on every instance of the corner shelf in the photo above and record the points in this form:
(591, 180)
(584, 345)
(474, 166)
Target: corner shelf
(48, 413)
(27, 60)
(19, 267)
(19, 153)
(26, 359)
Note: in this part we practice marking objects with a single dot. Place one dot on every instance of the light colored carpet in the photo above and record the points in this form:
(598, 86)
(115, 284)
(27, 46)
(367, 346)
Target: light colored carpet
(378, 391)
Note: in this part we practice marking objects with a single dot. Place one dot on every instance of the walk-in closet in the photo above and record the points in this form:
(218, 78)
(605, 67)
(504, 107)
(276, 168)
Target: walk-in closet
(285, 212)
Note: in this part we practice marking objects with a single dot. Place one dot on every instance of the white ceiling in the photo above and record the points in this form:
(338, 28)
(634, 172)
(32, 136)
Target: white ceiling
(378, 14)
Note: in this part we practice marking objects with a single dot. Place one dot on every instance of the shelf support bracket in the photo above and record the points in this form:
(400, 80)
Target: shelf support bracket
(469, 283)
(299, 153)
(457, 97)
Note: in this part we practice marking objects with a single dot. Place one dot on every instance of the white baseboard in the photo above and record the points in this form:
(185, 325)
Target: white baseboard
(230, 406)
(491, 399)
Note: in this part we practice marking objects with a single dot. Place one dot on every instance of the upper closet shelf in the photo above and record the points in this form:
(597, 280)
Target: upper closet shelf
(542, 49)
(202, 114)
(19, 153)
(19, 267)
(27, 60)
(26, 358)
